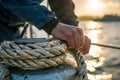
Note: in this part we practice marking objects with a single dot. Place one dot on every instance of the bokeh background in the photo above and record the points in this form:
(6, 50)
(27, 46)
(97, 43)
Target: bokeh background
(97, 7)
(100, 20)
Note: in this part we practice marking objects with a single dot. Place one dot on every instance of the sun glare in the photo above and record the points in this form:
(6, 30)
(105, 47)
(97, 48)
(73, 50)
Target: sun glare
(93, 25)
(95, 6)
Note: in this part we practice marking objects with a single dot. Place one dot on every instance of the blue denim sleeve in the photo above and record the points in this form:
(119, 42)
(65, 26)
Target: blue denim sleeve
(29, 11)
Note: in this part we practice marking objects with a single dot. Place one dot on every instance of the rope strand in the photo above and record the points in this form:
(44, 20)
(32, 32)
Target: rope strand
(38, 55)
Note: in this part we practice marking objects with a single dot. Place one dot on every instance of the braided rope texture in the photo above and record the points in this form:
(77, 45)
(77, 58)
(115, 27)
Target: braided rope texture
(39, 55)
(4, 72)
(33, 56)
(82, 71)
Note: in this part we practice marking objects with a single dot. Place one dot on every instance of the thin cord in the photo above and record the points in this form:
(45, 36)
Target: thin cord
(103, 45)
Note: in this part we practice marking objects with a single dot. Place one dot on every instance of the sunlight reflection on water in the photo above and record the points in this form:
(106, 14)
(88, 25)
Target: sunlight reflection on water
(93, 30)
(91, 25)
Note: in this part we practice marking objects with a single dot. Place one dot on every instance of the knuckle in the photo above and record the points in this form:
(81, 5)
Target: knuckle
(80, 31)
(74, 31)
(89, 40)
(68, 34)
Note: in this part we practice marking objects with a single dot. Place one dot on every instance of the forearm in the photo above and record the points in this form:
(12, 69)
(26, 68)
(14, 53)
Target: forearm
(64, 10)
(30, 11)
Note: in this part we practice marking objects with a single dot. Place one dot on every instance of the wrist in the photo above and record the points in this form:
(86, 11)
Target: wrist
(56, 29)
(48, 27)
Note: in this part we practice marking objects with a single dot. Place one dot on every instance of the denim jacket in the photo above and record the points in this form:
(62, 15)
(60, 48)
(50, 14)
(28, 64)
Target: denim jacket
(14, 13)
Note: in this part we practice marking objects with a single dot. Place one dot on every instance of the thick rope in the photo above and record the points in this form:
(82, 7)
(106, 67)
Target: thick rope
(33, 56)
(39, 55)
(31, 51)
(81, 65)
(4, 72)
(82, 71)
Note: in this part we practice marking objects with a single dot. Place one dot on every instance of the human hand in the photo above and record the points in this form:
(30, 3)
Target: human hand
(74, 37)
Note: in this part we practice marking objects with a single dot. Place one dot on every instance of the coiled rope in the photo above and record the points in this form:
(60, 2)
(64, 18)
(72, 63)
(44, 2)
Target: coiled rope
(39, 55)
(4, 72)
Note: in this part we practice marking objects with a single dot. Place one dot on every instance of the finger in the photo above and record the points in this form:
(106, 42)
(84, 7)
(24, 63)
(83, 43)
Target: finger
(81, 37)
(86, 51)
(70, 41)
(86, 47)
(87, 44)
(76, 38)
(87, 41)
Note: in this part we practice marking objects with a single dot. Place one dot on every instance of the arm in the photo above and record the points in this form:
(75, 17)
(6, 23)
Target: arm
(31, 11)
(64, 10)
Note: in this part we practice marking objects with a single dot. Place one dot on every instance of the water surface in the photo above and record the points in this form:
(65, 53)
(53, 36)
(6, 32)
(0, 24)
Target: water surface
(103, 63)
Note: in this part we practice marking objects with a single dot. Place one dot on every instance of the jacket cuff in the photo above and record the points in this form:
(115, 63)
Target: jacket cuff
(70, 22)
(48, 27)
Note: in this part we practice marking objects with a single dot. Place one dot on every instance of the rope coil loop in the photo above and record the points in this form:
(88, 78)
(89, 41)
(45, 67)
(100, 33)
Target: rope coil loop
(31, 54)
(4, 72)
